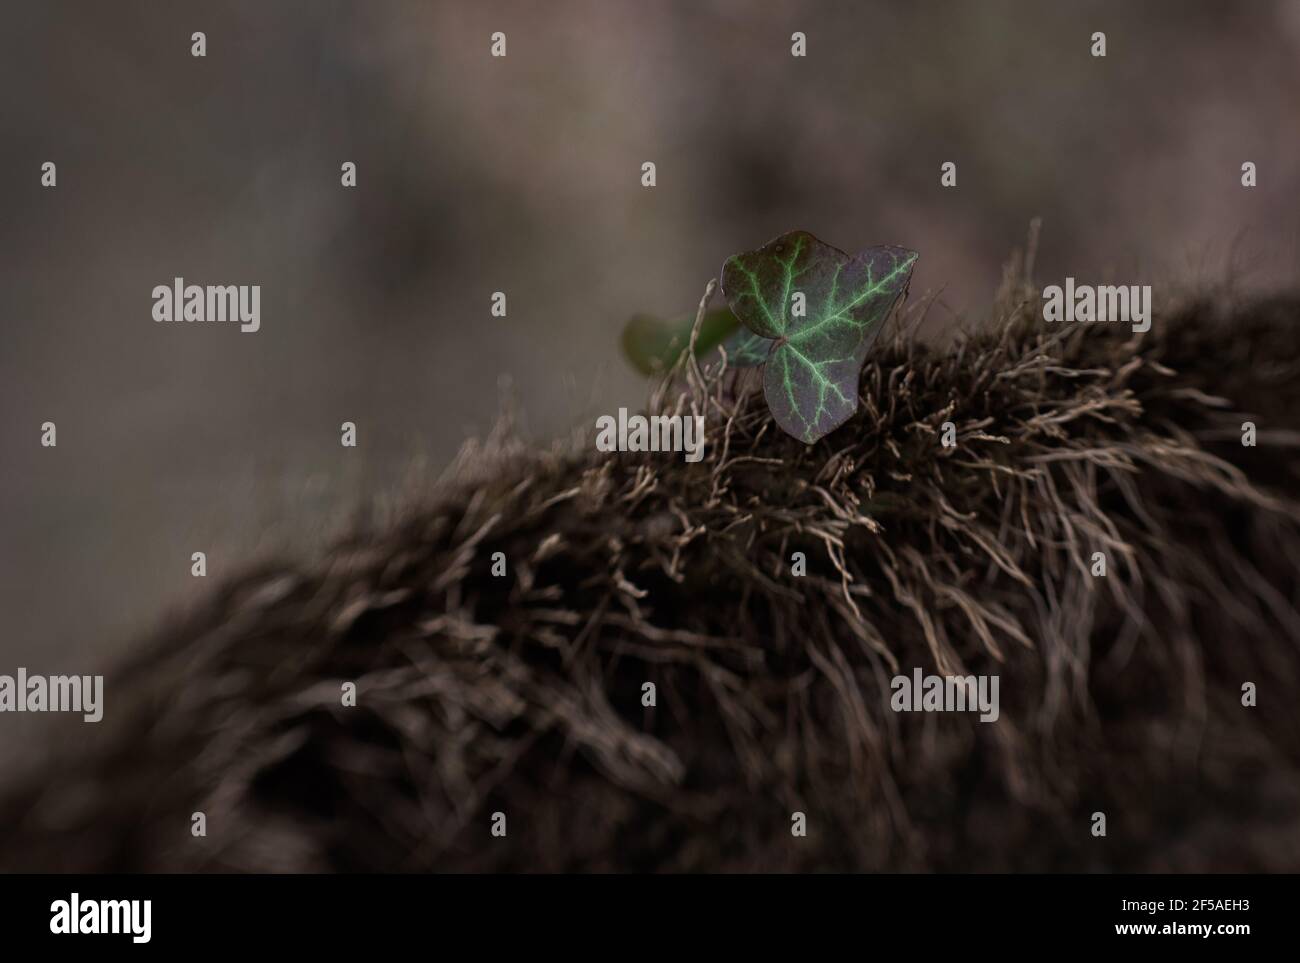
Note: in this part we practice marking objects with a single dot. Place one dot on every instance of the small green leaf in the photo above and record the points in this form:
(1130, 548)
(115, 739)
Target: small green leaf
(653, 345)
(820, 311)
(745, 349)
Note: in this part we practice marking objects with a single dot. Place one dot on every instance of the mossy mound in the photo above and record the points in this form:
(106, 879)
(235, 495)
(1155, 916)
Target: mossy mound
(523, 694)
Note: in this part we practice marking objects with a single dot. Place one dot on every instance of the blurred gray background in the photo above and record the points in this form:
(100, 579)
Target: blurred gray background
(522, 175)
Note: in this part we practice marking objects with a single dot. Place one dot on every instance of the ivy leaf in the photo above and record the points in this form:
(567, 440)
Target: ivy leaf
(820, 310)
(653, 345)
(745, 349)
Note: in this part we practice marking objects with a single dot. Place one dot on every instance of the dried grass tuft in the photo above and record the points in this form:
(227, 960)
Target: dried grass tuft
(522, 694)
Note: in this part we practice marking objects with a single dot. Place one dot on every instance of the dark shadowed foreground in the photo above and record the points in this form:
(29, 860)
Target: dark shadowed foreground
(522, 695)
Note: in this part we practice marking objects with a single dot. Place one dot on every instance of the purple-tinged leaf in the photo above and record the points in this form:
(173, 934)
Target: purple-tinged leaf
(821, 310)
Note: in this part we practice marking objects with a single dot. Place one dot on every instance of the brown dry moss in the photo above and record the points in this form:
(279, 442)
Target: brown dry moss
(522, 694)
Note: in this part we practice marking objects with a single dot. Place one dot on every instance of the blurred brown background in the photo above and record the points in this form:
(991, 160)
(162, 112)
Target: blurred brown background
(523, 175)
